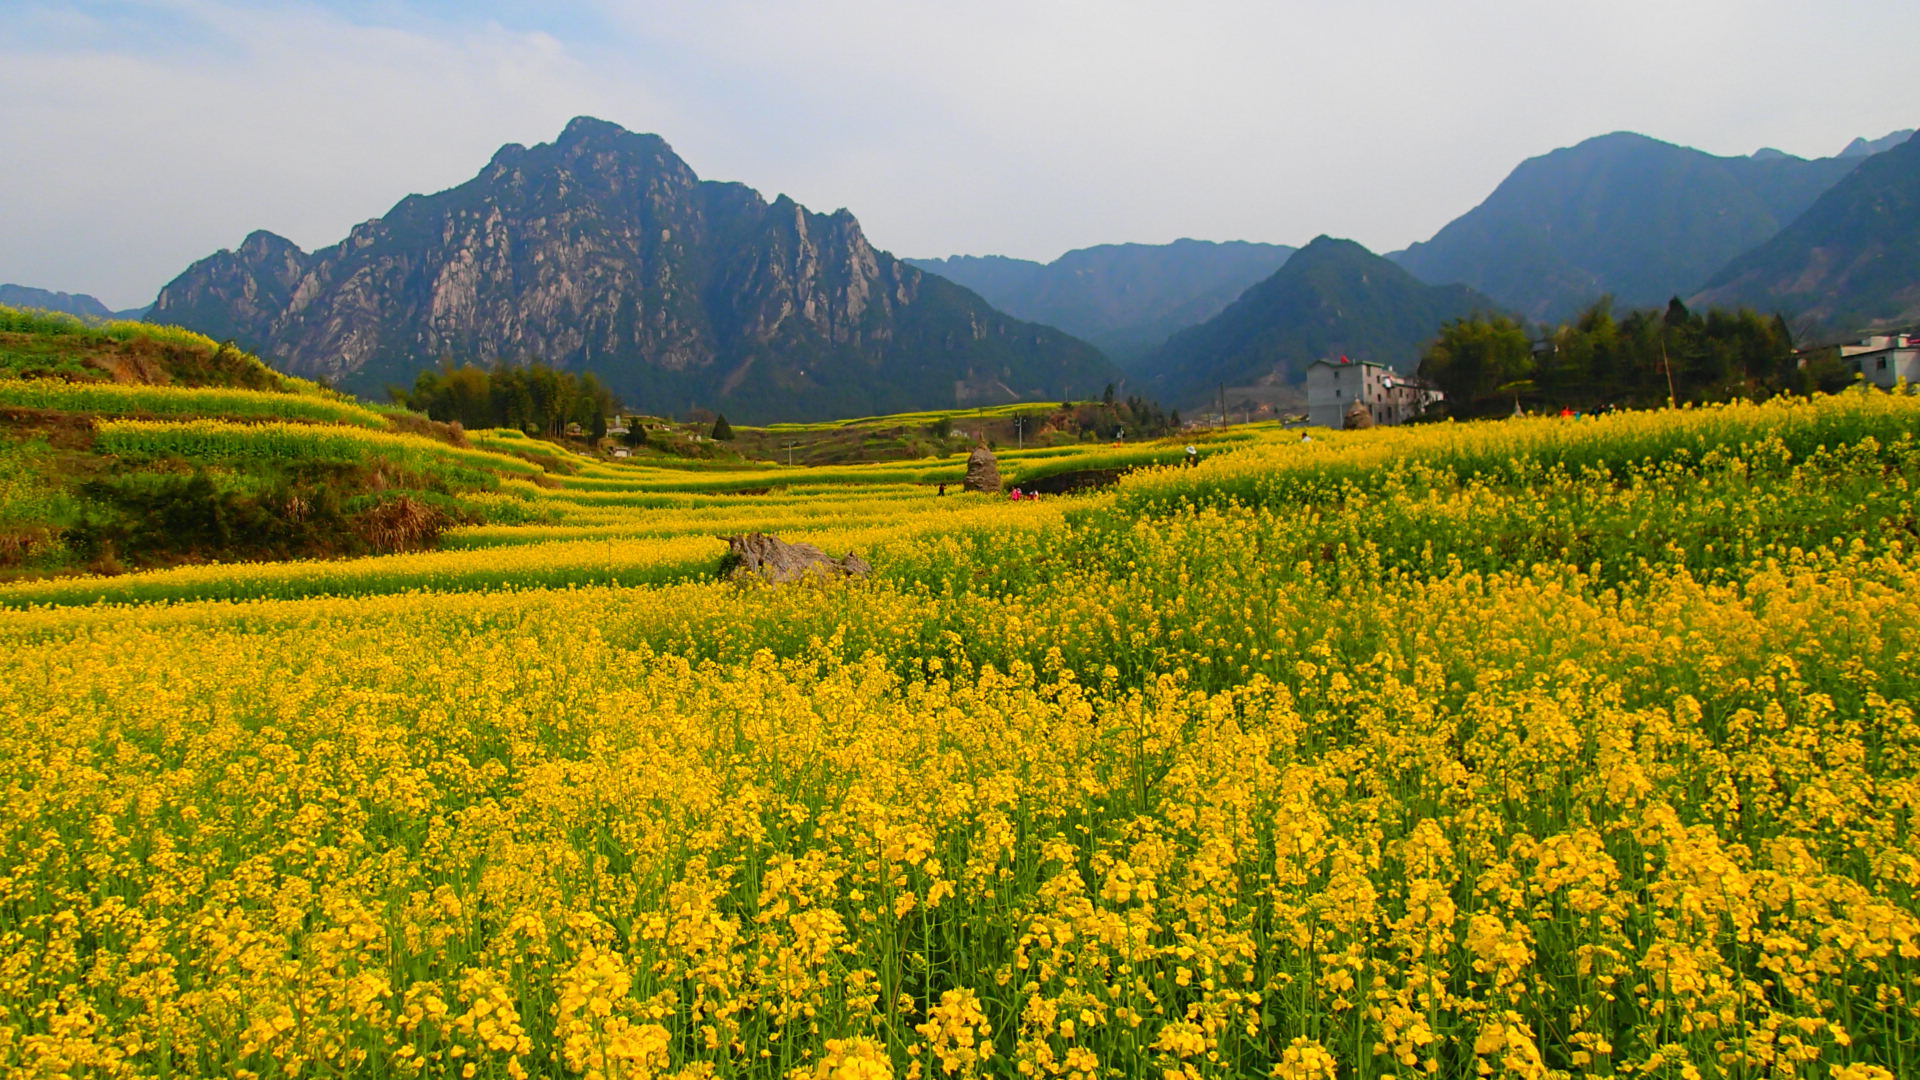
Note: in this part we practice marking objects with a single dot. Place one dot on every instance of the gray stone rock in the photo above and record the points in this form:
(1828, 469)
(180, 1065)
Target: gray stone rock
(983, 471)
(757, 556)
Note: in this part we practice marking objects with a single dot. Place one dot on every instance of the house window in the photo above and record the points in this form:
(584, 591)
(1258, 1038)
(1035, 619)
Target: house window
(1880, 364)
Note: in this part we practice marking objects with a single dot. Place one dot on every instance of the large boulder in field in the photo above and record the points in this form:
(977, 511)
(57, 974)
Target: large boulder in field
(757, 556)
(983, 471)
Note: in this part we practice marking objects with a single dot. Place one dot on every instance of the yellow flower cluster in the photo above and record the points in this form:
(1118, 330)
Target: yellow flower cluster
(1517, 762)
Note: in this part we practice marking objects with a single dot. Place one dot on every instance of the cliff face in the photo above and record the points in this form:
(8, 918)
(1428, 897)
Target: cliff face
(603, 251)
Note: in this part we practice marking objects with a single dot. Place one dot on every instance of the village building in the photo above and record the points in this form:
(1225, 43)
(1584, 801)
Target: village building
(1885, 359)
(1334, 385)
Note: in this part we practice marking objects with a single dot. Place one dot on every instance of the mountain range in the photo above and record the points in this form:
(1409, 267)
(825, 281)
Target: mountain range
(81, 304)
(1621, 215)
(1332, 297)
(1864, 147)
(1125, 298)
(603, 251)
(1852, 260)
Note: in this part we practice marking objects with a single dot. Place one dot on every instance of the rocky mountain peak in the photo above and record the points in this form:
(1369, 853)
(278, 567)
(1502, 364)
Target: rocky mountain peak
(604, 251)
(586, 129)
(261, 244)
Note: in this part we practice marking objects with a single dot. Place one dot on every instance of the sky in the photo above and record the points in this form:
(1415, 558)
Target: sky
(137, 136)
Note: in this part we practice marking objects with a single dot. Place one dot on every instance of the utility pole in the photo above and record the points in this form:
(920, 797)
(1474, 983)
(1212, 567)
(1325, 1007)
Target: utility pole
(1223, 404)
(790, 447)
(1667, 364)
(1020, 431)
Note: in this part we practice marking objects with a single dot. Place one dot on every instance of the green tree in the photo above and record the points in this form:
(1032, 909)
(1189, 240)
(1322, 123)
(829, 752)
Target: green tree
(722, 431)
(1473, 359)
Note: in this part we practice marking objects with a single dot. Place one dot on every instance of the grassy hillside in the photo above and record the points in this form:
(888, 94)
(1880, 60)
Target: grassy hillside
(1541, 748)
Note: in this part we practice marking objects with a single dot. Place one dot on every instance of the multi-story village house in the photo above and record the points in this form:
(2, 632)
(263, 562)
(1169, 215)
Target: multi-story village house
(1885, 359)
(1334, 385)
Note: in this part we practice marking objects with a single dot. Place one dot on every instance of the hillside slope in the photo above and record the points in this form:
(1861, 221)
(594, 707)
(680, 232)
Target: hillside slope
(604, 252)
(1846, 265)
(1125, 298)
(126, 445)
(1620, 214)
(1333, 297)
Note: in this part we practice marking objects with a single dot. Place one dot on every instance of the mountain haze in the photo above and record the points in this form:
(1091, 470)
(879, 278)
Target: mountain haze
(1332, 297)
(1849, 264)
(1619, 214)
(1125, 298)
(603, 251)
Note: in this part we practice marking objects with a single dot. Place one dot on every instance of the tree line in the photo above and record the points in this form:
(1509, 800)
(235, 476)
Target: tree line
(1490, 364)
(534, 398)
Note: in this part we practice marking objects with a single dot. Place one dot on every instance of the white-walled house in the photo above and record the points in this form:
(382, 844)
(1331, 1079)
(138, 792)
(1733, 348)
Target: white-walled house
(1334, 385)
(1885, 359)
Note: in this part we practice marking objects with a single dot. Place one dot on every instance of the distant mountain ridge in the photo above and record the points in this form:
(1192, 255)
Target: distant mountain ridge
(1332, 297)
(1851, 262)
(81, 304)
(603, 251)
(1863, 147)
(1125, 298)
(1620, 214)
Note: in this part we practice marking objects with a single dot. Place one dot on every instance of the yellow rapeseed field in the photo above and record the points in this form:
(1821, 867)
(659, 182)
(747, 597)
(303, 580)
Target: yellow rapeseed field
(1539, 748)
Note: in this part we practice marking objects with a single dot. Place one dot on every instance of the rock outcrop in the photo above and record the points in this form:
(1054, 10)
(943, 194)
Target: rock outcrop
(983, 471)
(759, 557)
(1066, 483)
(603, 252)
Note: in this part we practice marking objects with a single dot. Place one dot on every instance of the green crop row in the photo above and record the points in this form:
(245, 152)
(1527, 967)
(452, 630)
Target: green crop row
(217, 440)
(118, 399)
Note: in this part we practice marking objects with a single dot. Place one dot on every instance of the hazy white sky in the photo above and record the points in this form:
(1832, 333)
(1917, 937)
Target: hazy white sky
(139, 135)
